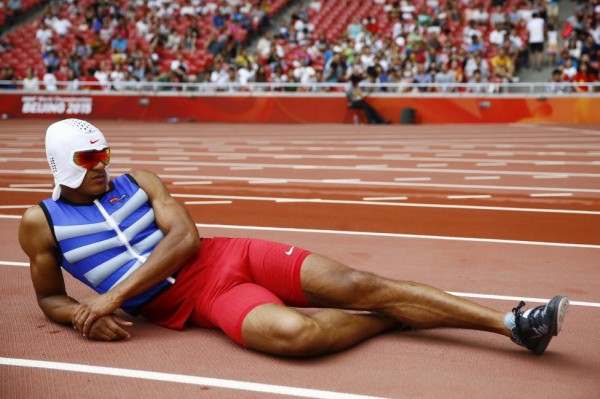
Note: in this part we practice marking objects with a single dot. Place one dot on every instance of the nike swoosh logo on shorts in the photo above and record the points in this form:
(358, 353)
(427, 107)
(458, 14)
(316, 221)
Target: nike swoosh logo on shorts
(94, 141)
(288, 253)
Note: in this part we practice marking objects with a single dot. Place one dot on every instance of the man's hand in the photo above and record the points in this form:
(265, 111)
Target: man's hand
(108, 328)
(91, 310)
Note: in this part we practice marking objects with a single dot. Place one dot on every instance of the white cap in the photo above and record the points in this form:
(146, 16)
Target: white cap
(63, 139)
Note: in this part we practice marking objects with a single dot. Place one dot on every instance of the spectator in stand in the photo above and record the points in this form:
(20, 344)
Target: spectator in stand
(570, 69)
(75, 63)
(557, 84)
(219, 20)
(51, 60)
(96, 44)
(44, 33)
(16, 8)
(496, 36)
(476, 45)
(498, 17)
(119, 43)
(189, 39)
(476, 83)
(503, 65)
(219, 75)
(87, 81)
(103, 75)
(552, 48)
(7, 75)
(72, 82)
(444, 78)
(537, 30)
(552, 10)
(356, 100)
(179, 67)
(81, 48)
(355, 28)
(477, 62)
(31, 81)
(423, 78)
(583, 76)
(61, 26)
(117, 76)
(49, 80)
(469, 31)
(137, 69)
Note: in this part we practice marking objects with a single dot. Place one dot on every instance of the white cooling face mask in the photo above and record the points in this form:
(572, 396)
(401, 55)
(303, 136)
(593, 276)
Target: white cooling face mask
(63, 139)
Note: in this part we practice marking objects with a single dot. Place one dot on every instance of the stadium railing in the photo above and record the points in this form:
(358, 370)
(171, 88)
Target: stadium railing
(334, 89)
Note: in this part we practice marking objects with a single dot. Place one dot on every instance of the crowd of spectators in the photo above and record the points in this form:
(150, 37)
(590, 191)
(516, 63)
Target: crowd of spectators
(143, 44)
(578, 61)
(397, 46)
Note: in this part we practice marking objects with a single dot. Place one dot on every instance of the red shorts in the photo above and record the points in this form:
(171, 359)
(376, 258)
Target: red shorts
(226, 280)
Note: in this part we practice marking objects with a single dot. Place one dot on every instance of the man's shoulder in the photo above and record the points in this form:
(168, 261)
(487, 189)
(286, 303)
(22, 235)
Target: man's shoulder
(34, 216)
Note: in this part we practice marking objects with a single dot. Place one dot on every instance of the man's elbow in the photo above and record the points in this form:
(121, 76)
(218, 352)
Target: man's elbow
(191, 242)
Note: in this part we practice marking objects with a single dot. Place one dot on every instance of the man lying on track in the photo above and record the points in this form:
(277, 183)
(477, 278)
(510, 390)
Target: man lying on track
(135, 245)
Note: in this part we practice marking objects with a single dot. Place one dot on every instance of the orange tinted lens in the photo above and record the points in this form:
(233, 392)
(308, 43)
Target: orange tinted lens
(89, 159)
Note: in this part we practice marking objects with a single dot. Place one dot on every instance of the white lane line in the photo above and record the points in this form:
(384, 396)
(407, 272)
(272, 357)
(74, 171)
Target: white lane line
(409, 204)
(412, 179)
(432, 165)
(461, 294)
(15, 206)
(374, 166)
(550, 176)
(551, 195)
(393, 184)
(207, 202)
(448, 155)
(519, 298)
(231, 157)
(245, 168)
(268, 181)
(549, 163)
(340, 180)
(32, 185)
(328, 167)
(183, 379)
(174, 158)
(384, 198)
(7, 263)
(181, 169)
(469, 196)
(348, 202)
(398, 235)
(189, 183)
(482, 177)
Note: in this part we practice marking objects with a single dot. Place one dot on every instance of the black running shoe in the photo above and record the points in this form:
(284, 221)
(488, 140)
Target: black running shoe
(535, 327)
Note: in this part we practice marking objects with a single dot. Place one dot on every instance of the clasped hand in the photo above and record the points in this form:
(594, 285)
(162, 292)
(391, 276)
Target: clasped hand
(94, 319)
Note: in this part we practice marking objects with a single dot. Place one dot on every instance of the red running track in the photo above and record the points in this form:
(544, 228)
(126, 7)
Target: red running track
(492, 213)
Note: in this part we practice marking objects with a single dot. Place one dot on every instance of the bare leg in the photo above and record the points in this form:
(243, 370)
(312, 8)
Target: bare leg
(279, 330)
(328, 283)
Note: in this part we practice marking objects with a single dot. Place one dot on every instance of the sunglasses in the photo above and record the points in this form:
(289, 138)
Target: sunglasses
(89, 159)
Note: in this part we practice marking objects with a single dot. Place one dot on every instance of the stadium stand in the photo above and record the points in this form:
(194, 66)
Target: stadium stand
(393, 44)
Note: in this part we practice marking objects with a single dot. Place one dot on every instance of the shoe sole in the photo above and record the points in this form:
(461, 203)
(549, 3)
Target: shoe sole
(560, 312)
(558, 306)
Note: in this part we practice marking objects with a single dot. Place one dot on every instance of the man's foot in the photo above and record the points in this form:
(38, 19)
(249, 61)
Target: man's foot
(535, 327)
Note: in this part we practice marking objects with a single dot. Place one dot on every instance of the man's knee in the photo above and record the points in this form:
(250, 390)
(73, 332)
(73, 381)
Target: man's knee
(298, 336)
(287, 333)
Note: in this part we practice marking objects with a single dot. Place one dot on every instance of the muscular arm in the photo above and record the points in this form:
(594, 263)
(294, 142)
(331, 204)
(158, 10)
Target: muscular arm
(180, 242)
(37, 242)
